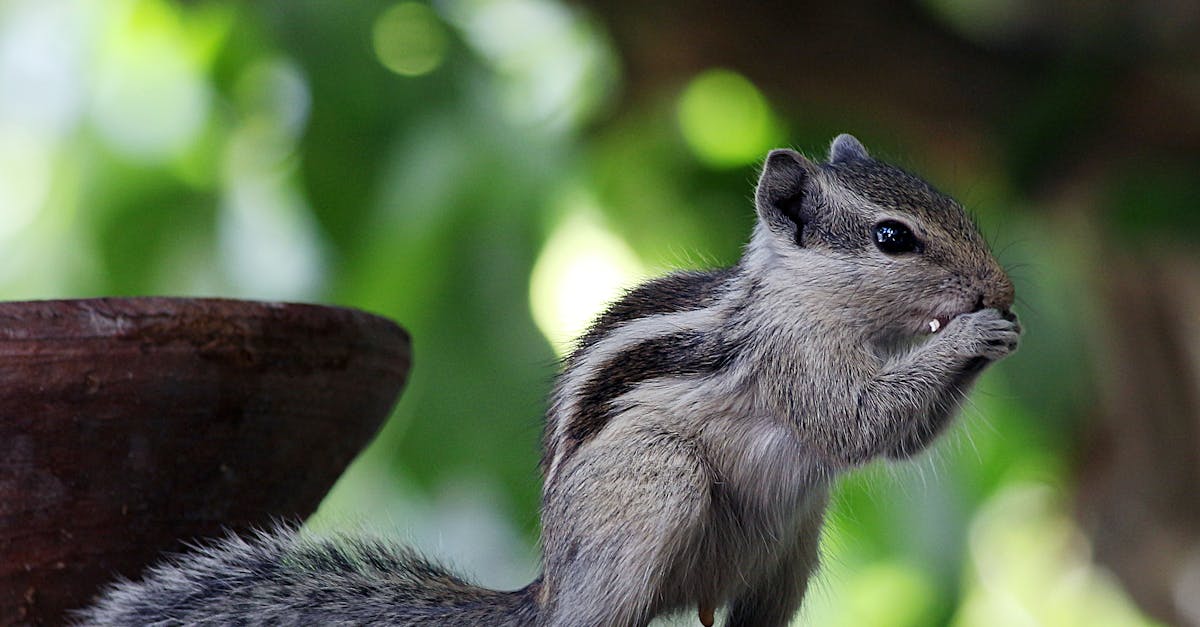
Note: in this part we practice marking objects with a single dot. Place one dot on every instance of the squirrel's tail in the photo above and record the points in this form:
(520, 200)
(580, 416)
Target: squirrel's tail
(280, 578)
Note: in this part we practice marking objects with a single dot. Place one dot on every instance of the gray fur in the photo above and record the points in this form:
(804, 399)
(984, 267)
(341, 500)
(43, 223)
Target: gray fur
(694, 433)
(846, 147)
(281, 578)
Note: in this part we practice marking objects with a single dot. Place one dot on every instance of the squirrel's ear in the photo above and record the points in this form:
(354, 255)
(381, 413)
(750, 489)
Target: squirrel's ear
(781, 189)
(846, 148)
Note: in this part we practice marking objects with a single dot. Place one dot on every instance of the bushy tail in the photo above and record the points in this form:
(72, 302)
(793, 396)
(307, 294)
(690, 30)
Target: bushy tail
(280, 578)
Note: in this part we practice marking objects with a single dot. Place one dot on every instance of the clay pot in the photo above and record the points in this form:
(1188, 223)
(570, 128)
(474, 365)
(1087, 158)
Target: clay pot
(128, 426)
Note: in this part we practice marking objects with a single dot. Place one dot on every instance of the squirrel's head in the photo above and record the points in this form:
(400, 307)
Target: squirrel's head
(894, 255)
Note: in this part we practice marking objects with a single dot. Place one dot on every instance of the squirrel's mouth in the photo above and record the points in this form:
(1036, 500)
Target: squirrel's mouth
(937, 322)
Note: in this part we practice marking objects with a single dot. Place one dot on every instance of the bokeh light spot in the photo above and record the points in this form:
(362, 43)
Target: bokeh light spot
(1031, 564)
(270, 243)
(275, 92)
(25, 175)
(893, 594)
(725, 119)
(554, 65)
(581, 269)
(151, 98)
(409, 39)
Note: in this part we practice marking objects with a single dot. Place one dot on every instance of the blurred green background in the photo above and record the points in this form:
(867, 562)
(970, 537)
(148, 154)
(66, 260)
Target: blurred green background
(490, 172)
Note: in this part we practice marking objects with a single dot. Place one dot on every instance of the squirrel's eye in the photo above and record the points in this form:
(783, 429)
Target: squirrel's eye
(894, 238)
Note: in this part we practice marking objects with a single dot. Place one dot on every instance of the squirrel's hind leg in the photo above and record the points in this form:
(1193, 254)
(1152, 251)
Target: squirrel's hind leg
(772, 601)
(635, 515)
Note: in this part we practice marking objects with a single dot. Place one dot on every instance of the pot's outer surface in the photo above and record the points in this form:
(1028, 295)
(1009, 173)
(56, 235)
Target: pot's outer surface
(128, 426)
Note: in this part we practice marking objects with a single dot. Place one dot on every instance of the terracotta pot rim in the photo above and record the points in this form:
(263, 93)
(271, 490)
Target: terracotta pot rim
(24, 319)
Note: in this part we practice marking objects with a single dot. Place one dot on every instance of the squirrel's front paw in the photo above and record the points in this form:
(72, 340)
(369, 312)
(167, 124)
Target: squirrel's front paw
(986, 333)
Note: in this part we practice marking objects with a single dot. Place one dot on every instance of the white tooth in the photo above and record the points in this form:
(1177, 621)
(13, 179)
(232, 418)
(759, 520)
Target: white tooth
(934, 325)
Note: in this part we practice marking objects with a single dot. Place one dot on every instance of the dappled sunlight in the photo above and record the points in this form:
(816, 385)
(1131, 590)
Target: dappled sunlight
(883, 593)
(26, 171)
(44, 51)
(463, 523)
(151, 98)
(409, 39)
(582, 267)
(270, 245)
(1029, 564)
(274, 92)
(726, 120)
(553, 66)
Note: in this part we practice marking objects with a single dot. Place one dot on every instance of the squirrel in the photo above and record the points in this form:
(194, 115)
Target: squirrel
(693, 434)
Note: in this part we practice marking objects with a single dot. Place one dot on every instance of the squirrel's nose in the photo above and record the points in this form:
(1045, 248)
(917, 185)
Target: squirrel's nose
(998, 293)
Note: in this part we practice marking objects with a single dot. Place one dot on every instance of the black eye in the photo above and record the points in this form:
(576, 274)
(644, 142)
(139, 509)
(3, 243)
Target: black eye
(894, 238)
